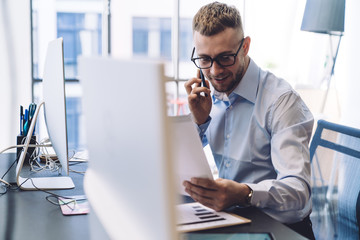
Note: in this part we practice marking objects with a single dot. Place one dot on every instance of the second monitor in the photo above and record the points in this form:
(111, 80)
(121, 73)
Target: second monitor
(55, 118)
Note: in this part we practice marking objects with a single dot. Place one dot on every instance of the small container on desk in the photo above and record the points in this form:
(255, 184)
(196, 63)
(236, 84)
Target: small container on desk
(20, 140)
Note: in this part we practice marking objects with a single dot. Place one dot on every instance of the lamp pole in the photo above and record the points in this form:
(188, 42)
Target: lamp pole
(333, 58)
(325, 17)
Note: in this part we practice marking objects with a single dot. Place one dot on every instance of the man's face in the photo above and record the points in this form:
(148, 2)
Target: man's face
(223, 79)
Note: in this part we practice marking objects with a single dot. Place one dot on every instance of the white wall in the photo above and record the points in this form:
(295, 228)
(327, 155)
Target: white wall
(15, 66)
(347, 72)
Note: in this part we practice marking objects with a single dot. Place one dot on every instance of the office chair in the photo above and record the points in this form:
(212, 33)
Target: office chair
(346, 164)
(358, 212)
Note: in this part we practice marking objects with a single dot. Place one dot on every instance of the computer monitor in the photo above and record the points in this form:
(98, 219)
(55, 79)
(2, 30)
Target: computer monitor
(129, 182)
(55, 118)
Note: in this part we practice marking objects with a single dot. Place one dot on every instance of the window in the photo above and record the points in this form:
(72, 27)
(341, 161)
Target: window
(185, 39)
(152, 37)
(148, 31)
(79, 23)
(155, 33)
(165, 38)
(76, 28)
(140, 36)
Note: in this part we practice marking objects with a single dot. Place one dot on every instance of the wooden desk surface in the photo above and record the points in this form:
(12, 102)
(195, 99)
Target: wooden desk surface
(28, 215)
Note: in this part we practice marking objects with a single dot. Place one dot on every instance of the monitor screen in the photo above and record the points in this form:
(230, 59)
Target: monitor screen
(129, 145)
(55, 118)
(54, 98)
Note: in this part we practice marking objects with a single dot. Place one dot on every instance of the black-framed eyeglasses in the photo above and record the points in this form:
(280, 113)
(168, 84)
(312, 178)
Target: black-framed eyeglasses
(224, 60)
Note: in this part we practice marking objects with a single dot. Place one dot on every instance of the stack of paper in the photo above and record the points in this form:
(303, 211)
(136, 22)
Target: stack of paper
(195, 216)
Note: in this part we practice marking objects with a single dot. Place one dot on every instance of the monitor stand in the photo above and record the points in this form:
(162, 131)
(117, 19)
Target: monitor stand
(39, 183)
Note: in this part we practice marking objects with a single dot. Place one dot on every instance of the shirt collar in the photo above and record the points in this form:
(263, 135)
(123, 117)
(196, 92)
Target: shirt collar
(247, 87)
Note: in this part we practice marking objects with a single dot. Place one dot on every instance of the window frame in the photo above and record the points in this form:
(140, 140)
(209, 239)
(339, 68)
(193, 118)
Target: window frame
(106, 34)
(106, 45)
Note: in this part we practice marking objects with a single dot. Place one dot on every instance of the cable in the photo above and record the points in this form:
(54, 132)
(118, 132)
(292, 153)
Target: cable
(19, 146)
(78, 159)
(50, 164)
(5, 189)
(8, 186)
(73, 158)
(9, 168)
(35, 166)
(5, 182)
(76, 171)
(53, 195)
(2, 180)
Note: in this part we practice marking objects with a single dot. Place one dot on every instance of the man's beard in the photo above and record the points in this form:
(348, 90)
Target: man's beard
(233, 84)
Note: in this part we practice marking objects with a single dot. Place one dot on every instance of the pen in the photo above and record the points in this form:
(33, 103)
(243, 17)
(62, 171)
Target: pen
(32, 115)
(26, 121)
(21, 120)
(31, 112)
(203, 80)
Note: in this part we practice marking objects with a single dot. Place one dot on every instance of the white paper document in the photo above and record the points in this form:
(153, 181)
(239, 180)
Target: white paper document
(195, 216)
(188, 154)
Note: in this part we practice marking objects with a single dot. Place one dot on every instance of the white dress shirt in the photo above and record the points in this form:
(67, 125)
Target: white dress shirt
(259, 135)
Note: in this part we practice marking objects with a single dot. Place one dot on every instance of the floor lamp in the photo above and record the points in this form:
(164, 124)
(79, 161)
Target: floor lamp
(325, 17)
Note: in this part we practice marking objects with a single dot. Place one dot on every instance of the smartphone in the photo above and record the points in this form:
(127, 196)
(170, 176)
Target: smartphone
(203, 80)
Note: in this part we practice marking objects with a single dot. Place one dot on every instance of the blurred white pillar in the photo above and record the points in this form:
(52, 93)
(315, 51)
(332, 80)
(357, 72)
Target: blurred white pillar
(15, 66)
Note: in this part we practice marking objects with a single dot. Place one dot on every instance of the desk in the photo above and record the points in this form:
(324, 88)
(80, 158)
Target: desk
(260, 222)
(27, 215)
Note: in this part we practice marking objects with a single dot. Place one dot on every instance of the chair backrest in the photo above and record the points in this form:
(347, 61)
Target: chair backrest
(346, 148)
(358, 212)
(317, 139)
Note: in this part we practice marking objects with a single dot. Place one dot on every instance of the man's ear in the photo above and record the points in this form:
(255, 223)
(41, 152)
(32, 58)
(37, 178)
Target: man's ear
(246, 45)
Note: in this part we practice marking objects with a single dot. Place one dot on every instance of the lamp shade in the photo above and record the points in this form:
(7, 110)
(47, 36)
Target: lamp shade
(324, 16)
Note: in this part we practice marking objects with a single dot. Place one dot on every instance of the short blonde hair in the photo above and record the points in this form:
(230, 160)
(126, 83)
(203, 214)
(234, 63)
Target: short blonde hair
(215, 17)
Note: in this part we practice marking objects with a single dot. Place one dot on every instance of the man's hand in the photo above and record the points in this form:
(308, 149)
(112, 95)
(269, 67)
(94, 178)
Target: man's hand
(199, 104)
(217, 194)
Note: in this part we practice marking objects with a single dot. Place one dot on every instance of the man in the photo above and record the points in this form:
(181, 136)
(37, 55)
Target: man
(257, 126)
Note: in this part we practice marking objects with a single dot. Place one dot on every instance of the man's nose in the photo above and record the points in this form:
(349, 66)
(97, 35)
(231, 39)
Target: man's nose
(216, 69)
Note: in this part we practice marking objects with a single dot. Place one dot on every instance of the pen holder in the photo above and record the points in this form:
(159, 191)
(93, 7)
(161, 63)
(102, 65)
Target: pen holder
(20, 141)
